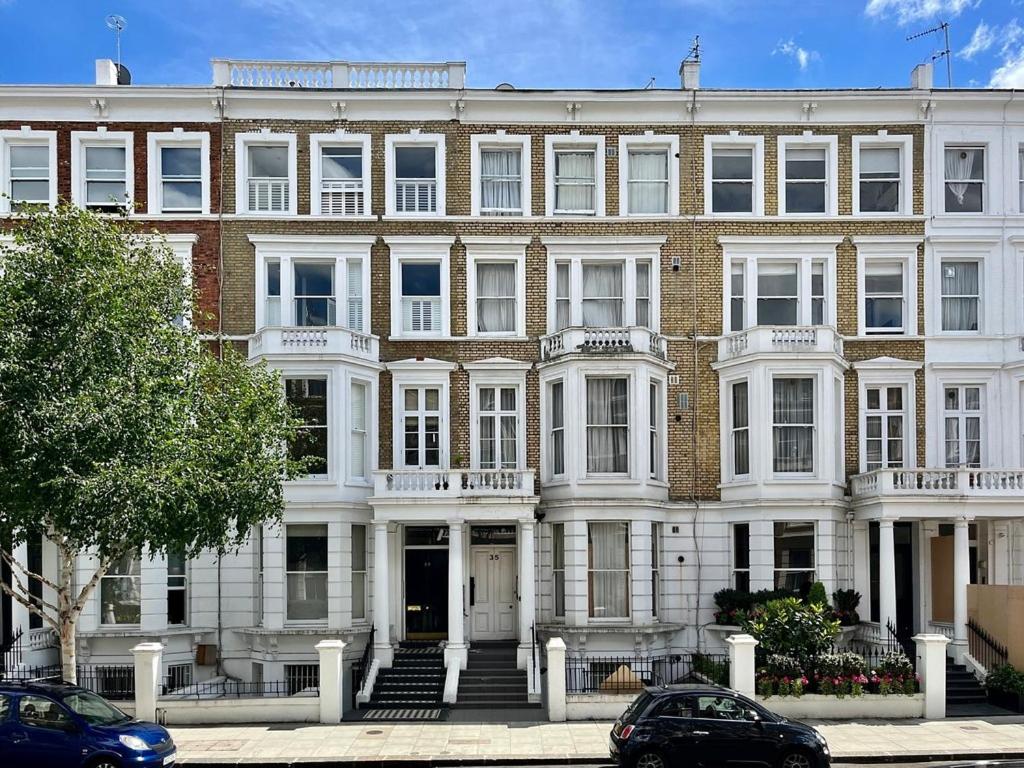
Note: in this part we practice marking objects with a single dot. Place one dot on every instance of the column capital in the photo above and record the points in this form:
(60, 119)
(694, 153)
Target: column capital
(380, 525)
(456, 525)
(527, 524)
(886, 522)
(963, 521)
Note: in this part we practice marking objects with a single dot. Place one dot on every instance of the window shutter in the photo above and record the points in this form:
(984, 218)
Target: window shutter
(355, 294)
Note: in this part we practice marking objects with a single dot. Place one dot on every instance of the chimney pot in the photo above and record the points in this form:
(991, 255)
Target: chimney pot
(689, 74)
(922, 76)
(106, 72)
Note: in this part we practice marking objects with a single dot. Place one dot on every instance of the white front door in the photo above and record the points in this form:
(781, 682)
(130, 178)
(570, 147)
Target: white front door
(493, 610)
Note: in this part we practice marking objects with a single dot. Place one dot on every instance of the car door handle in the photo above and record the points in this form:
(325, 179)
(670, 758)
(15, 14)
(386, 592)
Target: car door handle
(700, 733)
(17, 738)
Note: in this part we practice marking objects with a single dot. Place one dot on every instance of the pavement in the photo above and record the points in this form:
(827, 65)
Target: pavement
(443, 744)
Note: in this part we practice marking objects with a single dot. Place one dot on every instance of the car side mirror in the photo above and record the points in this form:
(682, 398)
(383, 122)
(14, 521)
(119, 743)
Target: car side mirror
(756, 718)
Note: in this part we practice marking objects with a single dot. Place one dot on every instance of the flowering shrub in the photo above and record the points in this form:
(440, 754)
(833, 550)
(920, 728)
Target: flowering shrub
(837, 674)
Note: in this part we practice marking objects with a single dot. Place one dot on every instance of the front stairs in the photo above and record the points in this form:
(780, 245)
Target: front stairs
(491, 679)
(962, 687)
(412, 688)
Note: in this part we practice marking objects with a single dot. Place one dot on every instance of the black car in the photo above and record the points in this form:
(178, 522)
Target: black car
(679, 726)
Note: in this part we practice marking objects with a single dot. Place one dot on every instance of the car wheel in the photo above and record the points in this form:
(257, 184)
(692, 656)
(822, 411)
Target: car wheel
(649, 760)
(105, 762)
(795, 759)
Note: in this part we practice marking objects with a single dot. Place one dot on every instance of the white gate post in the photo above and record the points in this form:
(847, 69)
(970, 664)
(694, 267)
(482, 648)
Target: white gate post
(332, 680)
(556, 680)
(147, 679)
(931, 666)
(741, 664)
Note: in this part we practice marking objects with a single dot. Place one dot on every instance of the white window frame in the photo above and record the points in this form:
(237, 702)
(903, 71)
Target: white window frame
(810, 140)
(966, 259)
(817, 462)
(885, 414)
(628, 570)
(495, 250)
(423, 374)
(649, 140)
(285, 572)
(365, 618)
(625, 250)
(659, 431)
(21, 137)
(101, 137)
(734, 568)
(264, 138)
(369, 431)
(425, 249)
(888, 372)
(882, 140)
(317, 142)
(497, 373)
(500, 140)
(984, 181)
(735, 141)
(154, 175)
(814, 551)
(574, 140)
(113, 576)
(557, 531)
(732, 429)
(961, 414)
(183, 586)
(412, 139)
(286, 249)
(548, 443)
(888, 249)
(331, 424)
(657, 566)
(805, 251)
(631, 429)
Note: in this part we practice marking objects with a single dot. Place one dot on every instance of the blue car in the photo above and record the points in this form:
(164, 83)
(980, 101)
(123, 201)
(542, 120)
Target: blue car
(56, 725)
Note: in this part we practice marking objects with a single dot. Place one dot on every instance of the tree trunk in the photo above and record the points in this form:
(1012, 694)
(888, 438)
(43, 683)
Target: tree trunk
(67, 616)
(68, 652)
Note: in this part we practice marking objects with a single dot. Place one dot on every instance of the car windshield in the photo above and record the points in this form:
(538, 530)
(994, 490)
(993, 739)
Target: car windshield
(638, 706)
(94, 709)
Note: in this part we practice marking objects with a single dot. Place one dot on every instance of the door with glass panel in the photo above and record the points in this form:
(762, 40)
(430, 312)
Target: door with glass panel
(421, 436)
(498, 422)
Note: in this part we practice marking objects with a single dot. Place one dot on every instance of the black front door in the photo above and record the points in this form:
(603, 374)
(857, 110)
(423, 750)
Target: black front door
(426, 594)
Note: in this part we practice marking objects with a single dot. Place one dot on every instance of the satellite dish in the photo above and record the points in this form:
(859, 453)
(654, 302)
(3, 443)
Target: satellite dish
(504, 87)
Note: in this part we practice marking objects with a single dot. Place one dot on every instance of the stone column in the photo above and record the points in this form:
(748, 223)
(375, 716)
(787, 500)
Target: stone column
(556, 680)
(931, 666)
(742, 667)
(382, 650)
(527, 593)
(332, 680)
(961, 578)
(886, 576)
(147, 679)
(456, 647)
(862, 567)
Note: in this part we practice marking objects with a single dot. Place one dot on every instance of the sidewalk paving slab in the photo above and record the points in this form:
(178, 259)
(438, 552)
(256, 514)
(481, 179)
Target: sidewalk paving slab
(447, 745)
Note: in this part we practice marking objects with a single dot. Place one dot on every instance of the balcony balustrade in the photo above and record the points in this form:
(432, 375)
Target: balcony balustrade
(257, 73)
(789, 339)
(603, 341)
(320, 340)
(1006, 483)
(453, 483)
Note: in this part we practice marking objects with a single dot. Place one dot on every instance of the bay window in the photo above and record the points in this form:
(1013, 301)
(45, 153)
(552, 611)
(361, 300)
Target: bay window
(558, 569)
(794, 557)
(557, 416)
(817, 293)
(654, 461)
(313, 283)
(770, 291)
(421, 421)
(883, 297)
(737, 298)
(563, 300)
(359, 582)
(272, 310)
(608, 564)
(498, 424)
(358, 436)
(308, 398)
(643, 294)
(961, 295)
(655, 569)
(607, 425)
(884, 438)
(962, 412)
(602, 295)
(306, 572)
(740, 428)
(121, 591)
(965, 179)
(793, 425)
(778, 293)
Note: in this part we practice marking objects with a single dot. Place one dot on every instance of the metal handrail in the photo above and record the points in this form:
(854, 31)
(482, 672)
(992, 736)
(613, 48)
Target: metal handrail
(11, 652)
(985, 649)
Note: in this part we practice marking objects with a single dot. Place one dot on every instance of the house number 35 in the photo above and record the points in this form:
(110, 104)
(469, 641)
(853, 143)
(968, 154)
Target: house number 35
(495, 557)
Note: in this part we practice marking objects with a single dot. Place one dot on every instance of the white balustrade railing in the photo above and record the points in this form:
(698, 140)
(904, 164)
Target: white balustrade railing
(41, 638)
(256, 73)
(434, 483)
(961, 481)
(764, 339)
(632, 340)
(320, 340)
(941, 628)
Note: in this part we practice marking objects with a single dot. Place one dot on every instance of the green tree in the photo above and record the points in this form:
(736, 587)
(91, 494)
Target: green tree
(120, 431)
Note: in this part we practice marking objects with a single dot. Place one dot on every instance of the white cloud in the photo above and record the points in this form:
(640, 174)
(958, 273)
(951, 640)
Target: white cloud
(802, 56)
(981, 41)
(911, 11)
(1010, 72)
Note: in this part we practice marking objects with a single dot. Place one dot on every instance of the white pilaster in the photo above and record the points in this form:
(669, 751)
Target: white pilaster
(382, 650)
(826, 556)
(147, 679)
(456, 647)
(931, 666)
(527, 593)
(862, 567)
(332, 680)
(742, 668)
(274, 602)
(576, 611)
(556, 680)
(961, 578)
(886, 575)
(762, 555)
(153, 575)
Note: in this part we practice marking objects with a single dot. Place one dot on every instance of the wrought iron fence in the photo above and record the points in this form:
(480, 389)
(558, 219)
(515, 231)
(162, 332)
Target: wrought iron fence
(111, 681)
(631, 673)
(986, 650)
(238, 689)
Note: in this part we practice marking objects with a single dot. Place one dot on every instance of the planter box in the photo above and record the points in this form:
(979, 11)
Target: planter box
(1011, 701)
(870, 705)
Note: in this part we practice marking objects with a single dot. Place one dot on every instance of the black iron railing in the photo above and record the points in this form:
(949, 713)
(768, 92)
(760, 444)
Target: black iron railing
(237, 689)
(359, 668)
(111, 681)
(985, 649)
(11, 652)
(630, 673)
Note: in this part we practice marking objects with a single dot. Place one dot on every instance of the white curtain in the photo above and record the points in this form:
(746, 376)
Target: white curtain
(643, 294)
(607, 425)
(500, 180)
(952, 441)
(508, 442)
(793, 418)
(608, 545)
(648, 182)
(574, 181)
(960, 296)
(959, 165)
(602, 295)
(972, 442)
(496, 304)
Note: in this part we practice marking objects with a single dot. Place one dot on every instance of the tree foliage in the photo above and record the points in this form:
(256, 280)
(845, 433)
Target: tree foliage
(792, 628)
(120, 431)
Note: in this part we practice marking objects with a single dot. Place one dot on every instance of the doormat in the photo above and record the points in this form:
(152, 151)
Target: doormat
(404, 714)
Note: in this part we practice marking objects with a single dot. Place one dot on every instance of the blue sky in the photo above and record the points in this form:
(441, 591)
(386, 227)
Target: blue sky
(530, 43)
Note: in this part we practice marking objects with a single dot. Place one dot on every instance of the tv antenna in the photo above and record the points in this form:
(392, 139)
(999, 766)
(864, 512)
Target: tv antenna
(942, 27)
(117, 23)
(650, 84)
(694, 54)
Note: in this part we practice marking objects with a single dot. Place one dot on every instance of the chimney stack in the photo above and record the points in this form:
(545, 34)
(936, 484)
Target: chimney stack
(921, 77)
(689, 74)
(106, 72)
